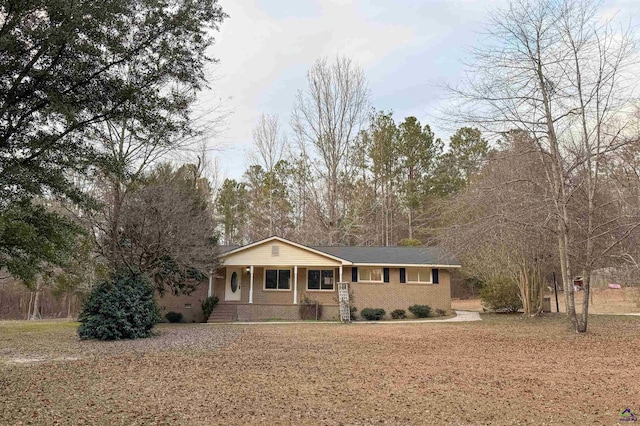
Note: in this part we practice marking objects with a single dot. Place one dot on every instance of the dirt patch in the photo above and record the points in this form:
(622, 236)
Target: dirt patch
(34, 360)
(502, 370)
(51, 340)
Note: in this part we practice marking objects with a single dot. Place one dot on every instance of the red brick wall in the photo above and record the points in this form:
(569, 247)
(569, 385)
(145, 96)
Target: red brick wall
(394, 295)
(281, 297)
(389, 296)
(169, 303)
(256, 312)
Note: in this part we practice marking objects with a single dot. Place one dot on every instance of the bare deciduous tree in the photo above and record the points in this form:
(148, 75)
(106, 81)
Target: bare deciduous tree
(499, 224)
(167, 229)
(326, 118)
(555, 70)
(269, 144)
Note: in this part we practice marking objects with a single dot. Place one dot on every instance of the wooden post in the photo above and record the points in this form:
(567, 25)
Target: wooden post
(251, 284)
(295, 285)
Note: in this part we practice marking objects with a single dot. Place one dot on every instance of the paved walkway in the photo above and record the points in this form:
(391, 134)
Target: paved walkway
(461, 316)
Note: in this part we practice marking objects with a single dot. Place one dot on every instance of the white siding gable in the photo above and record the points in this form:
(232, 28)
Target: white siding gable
(287, 255)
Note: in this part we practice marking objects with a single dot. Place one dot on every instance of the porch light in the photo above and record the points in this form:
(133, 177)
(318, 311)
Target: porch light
(247, 270)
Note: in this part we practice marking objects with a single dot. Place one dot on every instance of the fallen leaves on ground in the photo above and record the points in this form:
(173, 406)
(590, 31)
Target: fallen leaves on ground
(503, 370)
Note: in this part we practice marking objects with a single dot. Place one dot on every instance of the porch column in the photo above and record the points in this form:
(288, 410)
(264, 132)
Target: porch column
(210, 292)
(251, 284)
(340, 274)
(295, 285)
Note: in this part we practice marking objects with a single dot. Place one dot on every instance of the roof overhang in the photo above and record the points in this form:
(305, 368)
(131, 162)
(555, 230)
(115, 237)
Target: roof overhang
(285, 241)
(408, 265)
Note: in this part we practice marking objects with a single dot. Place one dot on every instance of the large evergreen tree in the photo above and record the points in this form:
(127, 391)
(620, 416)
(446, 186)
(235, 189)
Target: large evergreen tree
(66, 66)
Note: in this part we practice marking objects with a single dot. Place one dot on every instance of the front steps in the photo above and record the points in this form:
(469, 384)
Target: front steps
(224, 313)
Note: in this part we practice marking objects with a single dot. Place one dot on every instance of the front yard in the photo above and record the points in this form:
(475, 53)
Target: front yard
(502, 370)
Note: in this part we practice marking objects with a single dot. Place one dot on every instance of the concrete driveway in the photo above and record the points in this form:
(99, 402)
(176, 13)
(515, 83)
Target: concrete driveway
(461, 316)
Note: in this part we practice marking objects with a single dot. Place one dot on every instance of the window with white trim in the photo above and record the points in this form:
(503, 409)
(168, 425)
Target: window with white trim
(277, 279)
(372, 275)
(419, 275)
(320, 279)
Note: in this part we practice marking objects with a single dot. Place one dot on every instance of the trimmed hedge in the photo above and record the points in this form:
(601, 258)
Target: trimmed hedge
(420, 311)
(372, 314)
(398, 314)
(207, 306)
(501, 295)
(174, 317)
(120, 307)
(353, 313)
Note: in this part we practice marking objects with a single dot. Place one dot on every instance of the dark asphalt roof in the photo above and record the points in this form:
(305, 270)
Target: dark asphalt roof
(392, 255)
(224, 249)
(383, 255)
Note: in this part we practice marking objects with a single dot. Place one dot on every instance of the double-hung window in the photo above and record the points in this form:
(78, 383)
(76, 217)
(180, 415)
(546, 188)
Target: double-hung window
(373, 275)
(320, 279)
(277, 279)
(419, 275)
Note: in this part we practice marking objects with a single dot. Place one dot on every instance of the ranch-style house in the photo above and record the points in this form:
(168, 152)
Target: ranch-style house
(268, 279)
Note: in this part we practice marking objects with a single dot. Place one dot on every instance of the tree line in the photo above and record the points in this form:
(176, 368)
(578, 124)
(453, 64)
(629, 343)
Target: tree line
(93, 96)
(348, 175)
(541, 174)
(554, 86)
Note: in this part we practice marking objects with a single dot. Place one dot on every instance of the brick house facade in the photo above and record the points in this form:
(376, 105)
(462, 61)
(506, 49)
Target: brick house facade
(269, 279)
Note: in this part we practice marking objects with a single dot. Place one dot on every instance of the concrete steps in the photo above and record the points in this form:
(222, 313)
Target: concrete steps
(224, 313)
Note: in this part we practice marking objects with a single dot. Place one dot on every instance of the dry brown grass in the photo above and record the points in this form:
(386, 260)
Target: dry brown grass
(603, 301)
(504, 370)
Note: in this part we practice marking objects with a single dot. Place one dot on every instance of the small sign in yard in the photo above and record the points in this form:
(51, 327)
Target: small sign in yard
(615, 286)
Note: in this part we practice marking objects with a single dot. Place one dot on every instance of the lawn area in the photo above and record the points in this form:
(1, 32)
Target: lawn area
(503, 370)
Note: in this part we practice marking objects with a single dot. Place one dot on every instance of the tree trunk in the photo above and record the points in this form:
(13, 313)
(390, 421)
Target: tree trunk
(36, 301)
(69, 305)
(567, 280)
(115, 223)
(29, 306)
(581, 326)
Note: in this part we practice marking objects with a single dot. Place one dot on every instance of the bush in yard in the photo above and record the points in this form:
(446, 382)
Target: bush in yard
(398, 314)
(372, 314)
(501, 294)
(353, 313)
(441, 312)
(120, 307)
(310, 309)
(420, 311)
(207, 306)
(173, 317)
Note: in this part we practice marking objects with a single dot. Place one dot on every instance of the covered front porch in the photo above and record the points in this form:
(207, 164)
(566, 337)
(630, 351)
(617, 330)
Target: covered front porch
(262, 292)
(269, 279)
(280, 284)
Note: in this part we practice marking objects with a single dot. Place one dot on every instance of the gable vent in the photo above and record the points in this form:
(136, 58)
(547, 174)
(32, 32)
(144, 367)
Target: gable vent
(275, 250)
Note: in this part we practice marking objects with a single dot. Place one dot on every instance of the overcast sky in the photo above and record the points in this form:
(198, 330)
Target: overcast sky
(405, 48)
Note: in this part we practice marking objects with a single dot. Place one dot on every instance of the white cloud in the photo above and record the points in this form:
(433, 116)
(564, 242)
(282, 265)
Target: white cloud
(266, 47)
(263, 60)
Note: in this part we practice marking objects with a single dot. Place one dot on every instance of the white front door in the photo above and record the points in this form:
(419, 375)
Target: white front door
(234, 284)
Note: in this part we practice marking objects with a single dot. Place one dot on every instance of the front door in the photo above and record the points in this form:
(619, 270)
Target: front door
(233, 288)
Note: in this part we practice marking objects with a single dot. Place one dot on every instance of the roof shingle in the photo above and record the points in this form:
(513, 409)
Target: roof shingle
(383, 255)
(392, 255)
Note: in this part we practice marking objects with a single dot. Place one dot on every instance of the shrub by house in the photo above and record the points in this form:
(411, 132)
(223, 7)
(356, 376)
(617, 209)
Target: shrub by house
(122, 306)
